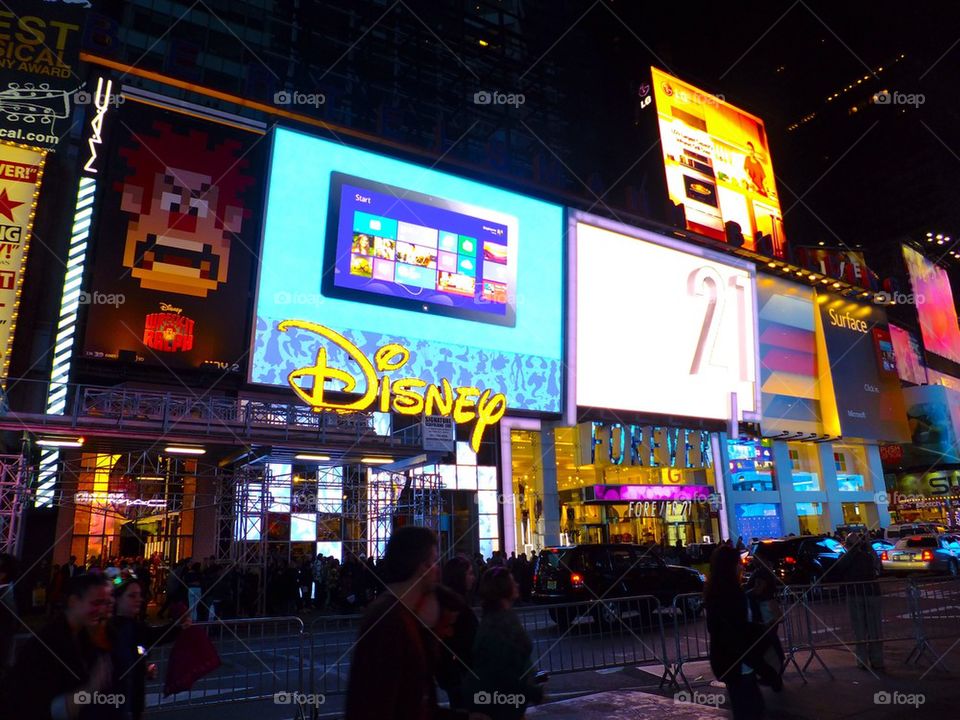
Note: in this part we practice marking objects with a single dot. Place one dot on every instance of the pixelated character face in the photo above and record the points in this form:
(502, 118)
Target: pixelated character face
(184, 197)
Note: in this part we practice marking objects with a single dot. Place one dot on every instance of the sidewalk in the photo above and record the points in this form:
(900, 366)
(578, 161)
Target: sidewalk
(901, 691)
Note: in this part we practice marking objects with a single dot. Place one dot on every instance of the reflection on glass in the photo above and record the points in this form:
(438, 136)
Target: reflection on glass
(750, 465)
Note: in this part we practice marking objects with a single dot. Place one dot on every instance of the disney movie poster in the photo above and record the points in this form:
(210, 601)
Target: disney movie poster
(175, 244)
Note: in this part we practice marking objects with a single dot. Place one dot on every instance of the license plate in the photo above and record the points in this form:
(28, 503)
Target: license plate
(551, 584)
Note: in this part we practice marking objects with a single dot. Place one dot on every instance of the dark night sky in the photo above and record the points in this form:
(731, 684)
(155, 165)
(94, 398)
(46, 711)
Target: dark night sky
(866, 178)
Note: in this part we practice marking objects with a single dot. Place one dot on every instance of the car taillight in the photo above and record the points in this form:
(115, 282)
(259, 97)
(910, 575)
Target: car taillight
(926, 555)
(576, 580)
(790, 560)
(746, 559)
(884, 555)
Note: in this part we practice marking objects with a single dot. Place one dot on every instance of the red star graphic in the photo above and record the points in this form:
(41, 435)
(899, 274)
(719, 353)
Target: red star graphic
(7, 205)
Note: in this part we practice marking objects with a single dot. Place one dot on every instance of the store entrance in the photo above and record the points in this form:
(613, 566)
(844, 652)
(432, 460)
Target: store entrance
(459, 533)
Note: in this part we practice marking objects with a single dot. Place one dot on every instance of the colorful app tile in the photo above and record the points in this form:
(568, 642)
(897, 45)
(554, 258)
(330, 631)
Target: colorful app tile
(459, 284)
(495, 271)
(361, 265)
(495, 252)
(416, 276)
(362, 244)
(374, 225)
(383, 269)
(449, 241)
(385, 248)
(467, 266)
(447, 262)
(417, 234)
(468, 245)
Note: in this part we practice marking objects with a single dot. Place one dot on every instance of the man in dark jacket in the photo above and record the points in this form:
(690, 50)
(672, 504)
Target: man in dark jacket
(65, 673)
(391, 674)
(859, 565)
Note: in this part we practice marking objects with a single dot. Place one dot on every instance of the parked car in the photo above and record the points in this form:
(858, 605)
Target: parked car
(800, 560)
(924, 553)
(587, 572)
(895, 532)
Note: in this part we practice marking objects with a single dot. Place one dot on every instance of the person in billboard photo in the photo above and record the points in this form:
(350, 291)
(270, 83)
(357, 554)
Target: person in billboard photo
(754, 169)
(184, 198)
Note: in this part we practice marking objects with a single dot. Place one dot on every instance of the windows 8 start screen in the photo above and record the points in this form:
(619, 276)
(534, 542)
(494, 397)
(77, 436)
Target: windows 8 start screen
(423, 253)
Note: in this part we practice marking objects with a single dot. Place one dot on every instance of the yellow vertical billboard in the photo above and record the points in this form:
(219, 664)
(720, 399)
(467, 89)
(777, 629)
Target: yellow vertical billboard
(718, 167)
(21, 171)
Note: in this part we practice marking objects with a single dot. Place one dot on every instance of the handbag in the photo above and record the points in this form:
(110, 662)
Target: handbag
(193, 655)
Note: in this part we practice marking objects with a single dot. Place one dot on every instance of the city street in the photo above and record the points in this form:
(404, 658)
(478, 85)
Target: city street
(592, 657)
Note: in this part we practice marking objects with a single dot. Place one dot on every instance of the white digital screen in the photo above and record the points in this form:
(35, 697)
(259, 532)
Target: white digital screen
(662, 327)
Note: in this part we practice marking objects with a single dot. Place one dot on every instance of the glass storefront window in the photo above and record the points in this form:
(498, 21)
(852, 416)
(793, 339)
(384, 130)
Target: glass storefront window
(854, 513)
(759, 520)
(852, 468)
(810, 516)
(805, 466)
(750, 463)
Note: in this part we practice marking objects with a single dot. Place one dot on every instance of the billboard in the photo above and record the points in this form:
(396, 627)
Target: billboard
(464, 277)
(860, 390)
(660, 326)
(847, 265)
(935, 305)
(790, 387)
(175, 242)
(933, 412)
(21, 172)
(40, 47)
(718, 166)
(909, 354)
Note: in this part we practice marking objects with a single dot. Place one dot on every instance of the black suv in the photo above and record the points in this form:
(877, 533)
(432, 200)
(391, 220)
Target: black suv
(587, 572)
(801, 560)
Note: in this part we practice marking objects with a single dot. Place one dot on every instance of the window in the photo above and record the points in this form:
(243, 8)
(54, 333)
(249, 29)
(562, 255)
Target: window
(810, 516)
(750, 465)
(622, 560)
(852, 468)
(805, 464)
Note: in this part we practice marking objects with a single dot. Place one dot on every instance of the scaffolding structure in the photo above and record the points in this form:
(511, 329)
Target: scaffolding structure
(14, 495)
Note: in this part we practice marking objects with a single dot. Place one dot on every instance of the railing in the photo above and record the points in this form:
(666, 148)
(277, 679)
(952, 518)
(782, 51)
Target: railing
(279, 660)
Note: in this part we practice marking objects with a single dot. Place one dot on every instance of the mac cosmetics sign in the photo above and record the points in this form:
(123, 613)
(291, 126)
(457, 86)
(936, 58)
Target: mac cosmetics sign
(855, 356)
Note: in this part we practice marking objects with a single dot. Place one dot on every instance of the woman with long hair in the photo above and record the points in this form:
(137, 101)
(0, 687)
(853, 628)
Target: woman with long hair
(503, 670)
(733, 638)
(132, 639)
(456, 652)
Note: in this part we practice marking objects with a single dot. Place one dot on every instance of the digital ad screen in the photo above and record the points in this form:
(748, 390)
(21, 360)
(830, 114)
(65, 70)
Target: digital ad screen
(935, 306)
(406, 249)
(467, 276)
(718, 165)
(700, 304)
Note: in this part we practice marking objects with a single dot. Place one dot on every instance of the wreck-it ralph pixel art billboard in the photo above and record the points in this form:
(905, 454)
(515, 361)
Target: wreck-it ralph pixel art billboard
(175, 242)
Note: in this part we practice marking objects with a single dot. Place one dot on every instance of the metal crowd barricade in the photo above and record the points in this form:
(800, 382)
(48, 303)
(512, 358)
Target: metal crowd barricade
(595, 635)
(852, 617)
(261, 659)
(935, 612)
(332, 638)
(685, 638)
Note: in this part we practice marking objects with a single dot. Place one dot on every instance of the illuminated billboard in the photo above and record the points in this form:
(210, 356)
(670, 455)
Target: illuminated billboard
(860, 390)
(175, 242)
(909, 354)
(935, 306)
(718, 166)
(21, 172)
(467, 278)
(790, 387)
(659, 326)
